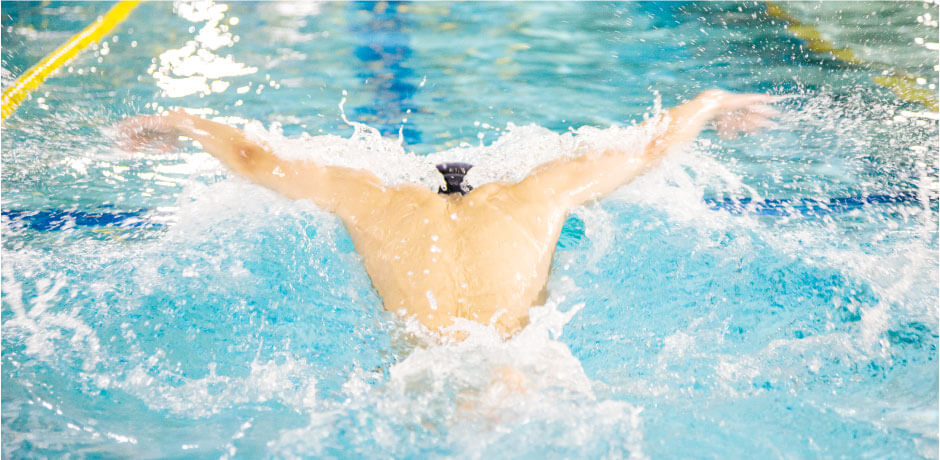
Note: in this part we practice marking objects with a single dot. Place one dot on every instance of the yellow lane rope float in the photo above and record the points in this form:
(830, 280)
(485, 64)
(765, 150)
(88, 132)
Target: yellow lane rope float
(32, 78)
(902, 83)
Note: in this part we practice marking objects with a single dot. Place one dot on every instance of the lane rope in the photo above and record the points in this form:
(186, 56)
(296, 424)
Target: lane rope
(33, 78)
(47, 220)
(902, 83)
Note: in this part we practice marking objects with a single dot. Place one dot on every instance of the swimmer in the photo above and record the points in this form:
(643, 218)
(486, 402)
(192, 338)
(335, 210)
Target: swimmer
(482, 254)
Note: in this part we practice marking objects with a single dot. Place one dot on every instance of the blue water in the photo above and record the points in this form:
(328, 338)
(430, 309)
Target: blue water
(770, 296)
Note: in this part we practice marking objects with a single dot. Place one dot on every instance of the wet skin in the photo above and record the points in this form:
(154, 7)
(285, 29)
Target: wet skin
(484, 256)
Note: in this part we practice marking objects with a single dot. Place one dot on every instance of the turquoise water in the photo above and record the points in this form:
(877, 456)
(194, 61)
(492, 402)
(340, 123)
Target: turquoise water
(749, 298)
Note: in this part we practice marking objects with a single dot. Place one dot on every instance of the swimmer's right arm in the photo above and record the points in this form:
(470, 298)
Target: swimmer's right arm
(344, 191)
(593, 175)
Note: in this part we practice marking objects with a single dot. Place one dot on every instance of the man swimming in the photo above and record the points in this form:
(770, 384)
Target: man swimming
(482, 254)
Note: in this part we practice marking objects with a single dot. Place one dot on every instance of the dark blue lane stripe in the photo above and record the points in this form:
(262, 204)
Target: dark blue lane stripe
(810, 207)
(49, 220)
(384, 50)
(56, 219)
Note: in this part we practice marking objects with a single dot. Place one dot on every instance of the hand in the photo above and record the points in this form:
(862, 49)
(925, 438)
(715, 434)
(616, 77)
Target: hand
(158, 131)
(735, 114)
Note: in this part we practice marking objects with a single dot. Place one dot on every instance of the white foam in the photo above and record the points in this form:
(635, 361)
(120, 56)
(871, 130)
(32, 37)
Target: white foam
(425, 382)
(477, 389)
(286, 379)
(49, 327)
(509, 159)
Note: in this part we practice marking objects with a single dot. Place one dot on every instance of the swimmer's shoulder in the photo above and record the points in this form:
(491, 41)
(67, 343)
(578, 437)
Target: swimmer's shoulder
(412, 193)
(492, 192)
(488, 191)
(509, 193)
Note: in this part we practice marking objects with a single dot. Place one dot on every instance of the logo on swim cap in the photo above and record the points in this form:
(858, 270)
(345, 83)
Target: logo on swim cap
(453, 178)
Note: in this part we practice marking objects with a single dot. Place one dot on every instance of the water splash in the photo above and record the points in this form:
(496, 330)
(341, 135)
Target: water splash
(195, 68)
(257, 274)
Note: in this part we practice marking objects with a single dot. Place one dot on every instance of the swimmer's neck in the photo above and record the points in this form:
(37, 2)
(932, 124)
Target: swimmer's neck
(452, 197)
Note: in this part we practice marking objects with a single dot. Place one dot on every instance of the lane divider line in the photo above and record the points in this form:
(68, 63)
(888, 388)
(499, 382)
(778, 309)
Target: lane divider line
(45, 220)
(902, 83)
(32, 78)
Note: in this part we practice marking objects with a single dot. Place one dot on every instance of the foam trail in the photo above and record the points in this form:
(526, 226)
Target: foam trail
(475, 391)
(510, 158)
(223, 248)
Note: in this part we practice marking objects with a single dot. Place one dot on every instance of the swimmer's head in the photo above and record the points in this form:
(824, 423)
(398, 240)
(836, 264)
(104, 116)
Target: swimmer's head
(453, 178)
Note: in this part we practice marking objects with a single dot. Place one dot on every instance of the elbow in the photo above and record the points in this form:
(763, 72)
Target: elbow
(245, 152)
(248, 157)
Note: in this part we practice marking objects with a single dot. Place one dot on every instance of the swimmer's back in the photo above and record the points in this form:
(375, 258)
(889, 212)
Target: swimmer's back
(435, 256)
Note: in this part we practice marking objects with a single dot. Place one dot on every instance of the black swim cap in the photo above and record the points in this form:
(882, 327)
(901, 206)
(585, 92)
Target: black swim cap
(453, 178)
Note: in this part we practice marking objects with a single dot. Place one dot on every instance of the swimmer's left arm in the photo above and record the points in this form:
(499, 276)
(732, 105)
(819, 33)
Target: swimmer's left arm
(596, 174)
(344, 191)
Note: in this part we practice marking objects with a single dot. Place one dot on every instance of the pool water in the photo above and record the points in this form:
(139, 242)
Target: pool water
(770, 296)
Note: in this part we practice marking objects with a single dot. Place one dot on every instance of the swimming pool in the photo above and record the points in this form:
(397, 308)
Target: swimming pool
(772, 296)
